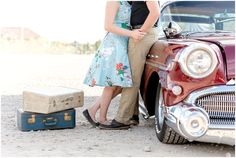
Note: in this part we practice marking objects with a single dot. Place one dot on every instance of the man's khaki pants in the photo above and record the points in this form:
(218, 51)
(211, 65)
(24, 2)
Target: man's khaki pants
(137, 52)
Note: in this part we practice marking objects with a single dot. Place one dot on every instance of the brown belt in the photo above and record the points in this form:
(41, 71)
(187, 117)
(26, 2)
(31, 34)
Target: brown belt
(139, 26)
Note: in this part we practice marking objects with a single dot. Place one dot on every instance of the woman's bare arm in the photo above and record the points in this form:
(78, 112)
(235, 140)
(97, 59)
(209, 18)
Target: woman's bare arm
(112, 8)
(154, 13)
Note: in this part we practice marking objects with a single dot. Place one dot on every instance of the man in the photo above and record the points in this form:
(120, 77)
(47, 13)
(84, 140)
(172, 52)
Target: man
(144, 16)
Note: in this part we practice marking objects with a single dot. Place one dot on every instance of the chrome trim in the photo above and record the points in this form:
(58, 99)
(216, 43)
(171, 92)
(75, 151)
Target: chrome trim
(219, 136)
(168, 66)
(218, 101)
(194, 109)
(212, 126)
(206, 91)
(161, 117)
(173, 115)
(231, 82)
(153, 56)
(142, 108)
(157, 65)
(216, 133)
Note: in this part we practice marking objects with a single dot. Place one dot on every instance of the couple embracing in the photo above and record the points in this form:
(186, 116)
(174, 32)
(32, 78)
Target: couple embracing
(120, 59)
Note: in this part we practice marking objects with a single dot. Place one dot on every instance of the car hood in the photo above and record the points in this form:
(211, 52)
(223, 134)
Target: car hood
(227, 45)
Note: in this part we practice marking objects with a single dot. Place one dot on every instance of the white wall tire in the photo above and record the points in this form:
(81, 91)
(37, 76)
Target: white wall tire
(164, 133)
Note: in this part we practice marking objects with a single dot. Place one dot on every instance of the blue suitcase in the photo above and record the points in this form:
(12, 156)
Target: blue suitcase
(27, 121)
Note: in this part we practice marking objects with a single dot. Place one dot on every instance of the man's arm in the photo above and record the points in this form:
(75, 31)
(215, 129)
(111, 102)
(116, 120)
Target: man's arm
(154, 13)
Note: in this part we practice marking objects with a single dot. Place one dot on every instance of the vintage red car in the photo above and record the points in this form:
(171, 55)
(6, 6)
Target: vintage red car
(188, 84)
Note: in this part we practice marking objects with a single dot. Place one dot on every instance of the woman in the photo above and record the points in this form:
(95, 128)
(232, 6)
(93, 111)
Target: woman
(110, 67)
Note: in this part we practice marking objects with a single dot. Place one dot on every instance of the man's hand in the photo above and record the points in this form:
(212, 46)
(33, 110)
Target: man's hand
(137, 35)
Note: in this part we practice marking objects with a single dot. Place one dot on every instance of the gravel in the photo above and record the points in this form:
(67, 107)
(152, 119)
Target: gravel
(21, 71)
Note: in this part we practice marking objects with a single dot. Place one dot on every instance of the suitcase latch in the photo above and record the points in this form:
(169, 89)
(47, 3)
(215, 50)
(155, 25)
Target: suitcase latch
(31, 120)
(67, 117)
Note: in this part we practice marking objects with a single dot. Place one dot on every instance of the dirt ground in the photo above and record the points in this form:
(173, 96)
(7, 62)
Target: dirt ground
(22, 71)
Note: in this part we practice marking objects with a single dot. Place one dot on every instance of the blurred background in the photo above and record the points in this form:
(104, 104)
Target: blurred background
(51, 26)
(49, 43)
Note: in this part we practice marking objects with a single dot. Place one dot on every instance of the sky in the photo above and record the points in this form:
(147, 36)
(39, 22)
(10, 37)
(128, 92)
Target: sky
(66, 20)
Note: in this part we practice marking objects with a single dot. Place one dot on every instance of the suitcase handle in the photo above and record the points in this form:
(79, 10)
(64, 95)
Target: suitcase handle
(50, 121)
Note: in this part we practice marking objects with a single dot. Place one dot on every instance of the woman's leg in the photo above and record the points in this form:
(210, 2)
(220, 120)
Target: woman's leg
(107, 91)
(106, 98)
(93, 110)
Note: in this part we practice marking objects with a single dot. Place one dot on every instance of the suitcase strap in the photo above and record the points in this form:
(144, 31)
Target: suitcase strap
(50, 121)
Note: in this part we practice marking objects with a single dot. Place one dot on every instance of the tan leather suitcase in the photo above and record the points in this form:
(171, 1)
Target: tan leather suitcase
(51, 99)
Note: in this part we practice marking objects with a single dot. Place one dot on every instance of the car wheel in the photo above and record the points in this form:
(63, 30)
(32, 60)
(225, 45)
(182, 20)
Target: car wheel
(164, 133)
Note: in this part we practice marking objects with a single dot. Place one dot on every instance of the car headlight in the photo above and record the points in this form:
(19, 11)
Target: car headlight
(198, 60)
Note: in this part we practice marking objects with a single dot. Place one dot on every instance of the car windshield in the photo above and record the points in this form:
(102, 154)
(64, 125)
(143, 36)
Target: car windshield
(199, 16)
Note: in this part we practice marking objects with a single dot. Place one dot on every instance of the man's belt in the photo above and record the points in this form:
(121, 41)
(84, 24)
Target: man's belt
(139, 26)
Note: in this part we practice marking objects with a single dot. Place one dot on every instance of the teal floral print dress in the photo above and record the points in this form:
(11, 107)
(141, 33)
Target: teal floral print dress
(110, 66)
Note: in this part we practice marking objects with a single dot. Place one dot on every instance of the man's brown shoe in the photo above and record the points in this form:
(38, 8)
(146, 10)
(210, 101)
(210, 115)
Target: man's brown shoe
(114, 126)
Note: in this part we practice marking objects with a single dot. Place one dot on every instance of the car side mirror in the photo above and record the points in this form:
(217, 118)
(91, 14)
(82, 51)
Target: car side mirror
(173, 30)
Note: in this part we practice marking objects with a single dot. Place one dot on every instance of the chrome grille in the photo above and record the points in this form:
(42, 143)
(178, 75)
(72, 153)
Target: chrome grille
(220, 107)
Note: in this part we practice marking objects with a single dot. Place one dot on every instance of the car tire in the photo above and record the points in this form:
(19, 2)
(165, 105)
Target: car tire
(164, 133)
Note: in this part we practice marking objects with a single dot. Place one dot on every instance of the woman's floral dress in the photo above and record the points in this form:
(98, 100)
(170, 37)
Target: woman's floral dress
(110, 66)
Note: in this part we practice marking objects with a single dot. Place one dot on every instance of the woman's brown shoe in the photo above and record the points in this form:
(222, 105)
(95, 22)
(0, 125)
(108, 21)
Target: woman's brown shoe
(89, 118)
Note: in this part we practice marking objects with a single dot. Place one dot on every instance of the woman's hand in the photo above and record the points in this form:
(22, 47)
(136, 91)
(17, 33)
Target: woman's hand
(137, 35)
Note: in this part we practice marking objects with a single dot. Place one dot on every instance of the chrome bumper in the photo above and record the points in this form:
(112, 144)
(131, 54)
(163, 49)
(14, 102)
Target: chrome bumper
(220, 136)
(214, 133)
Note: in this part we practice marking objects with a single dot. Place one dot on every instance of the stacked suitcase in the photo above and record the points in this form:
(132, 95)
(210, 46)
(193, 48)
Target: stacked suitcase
(49, 108)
